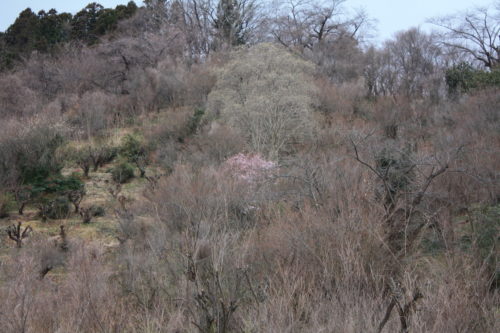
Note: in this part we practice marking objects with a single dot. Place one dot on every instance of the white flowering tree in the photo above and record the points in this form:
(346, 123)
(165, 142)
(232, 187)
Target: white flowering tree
(264, 92)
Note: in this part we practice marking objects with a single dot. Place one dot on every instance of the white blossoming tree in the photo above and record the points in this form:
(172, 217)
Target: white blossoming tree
(264, 92)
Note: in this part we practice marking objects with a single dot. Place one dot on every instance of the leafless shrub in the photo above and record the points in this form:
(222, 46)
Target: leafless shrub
(16, 234)
(216, 146)
(16, 99)
(93, 113)
(342, 99)
(88, 213)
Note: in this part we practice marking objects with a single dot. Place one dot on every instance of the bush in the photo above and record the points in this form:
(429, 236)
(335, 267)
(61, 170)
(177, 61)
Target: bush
(194, 122)
(107, 154)
(87, 213)
(51, 195)
(132, 148)
(92, 115)
(397, 169)
(98, 211)
(135, 152)
(58, 208)
(463, 78)
(28, 152)
(122, 173)
(47, 163)
(215, 147)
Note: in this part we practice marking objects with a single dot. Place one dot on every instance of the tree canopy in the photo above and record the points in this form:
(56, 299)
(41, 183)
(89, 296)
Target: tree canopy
(44, 31)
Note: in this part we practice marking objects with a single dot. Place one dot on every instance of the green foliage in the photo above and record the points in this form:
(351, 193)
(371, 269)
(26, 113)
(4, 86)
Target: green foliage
(37, 160)
(22, 34)
(45, 31)
(132, 148)
(122, 173)
(134, 151)
(32, 32)
(56, 185)
(95, 20)
(195, 121)
(51, 195)
(463, 78)
(397, 170)
(229, 22)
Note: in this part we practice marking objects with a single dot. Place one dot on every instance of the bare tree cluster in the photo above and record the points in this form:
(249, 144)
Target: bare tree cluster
(475, 33)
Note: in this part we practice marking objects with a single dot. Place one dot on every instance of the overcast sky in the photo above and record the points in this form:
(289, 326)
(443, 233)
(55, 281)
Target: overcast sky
(391, 15)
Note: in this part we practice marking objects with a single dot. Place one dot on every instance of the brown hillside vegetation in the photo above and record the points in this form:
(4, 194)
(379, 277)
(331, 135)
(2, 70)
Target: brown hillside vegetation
(216, 166)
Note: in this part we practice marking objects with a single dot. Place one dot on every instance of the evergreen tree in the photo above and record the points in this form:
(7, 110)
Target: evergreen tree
(228, 23)
(20, 37)
(85, 22)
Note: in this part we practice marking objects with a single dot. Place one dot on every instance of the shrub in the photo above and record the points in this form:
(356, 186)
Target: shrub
(195, 121)
(214, 147)
(397, 171)
(333, 98)
(135, 152)
(28, 151)
(23, 195)
(54, 194)
(463, 78)
(122, 173)
(131, 147)
(107, 154)
(17, 234)
(92, 115)
(87, 213)
(57, 208)
(99, 211)
(33, 171)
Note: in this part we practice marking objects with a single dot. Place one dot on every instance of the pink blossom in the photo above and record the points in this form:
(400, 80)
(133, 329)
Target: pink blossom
(248, 168)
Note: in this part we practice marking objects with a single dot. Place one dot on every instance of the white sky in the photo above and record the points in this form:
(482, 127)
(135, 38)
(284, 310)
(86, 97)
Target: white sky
(396, 15)
(391, 15)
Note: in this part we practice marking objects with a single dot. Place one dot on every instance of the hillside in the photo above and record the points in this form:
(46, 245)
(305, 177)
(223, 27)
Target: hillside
(228, 166)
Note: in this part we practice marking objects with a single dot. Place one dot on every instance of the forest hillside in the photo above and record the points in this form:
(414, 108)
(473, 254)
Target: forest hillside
(248, 166)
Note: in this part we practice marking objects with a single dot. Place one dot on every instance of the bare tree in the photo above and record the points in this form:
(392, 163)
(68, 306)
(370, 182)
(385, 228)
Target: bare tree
(475, 33)
(76, 197)
(302, 23)
(406, 65)
(17, 234)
